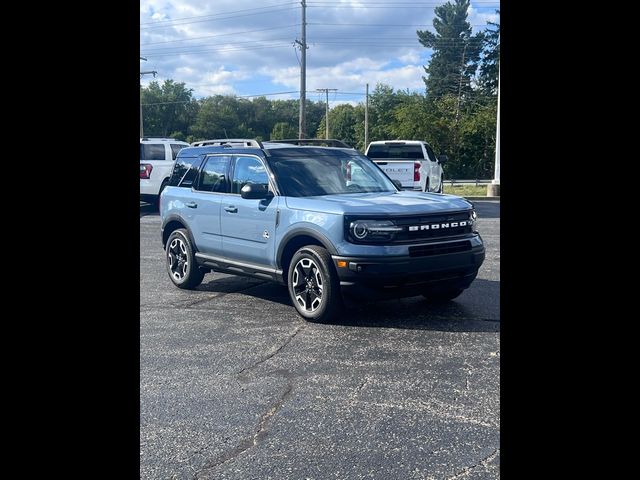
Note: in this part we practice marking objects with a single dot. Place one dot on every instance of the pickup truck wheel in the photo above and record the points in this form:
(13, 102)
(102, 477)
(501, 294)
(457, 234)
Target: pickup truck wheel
(181, 262)
(444, 296)
(426, 186)
(313, 284)
(441, 185)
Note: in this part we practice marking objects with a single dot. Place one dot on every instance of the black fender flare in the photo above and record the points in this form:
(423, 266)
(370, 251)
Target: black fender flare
(177, 218)
(309, 232)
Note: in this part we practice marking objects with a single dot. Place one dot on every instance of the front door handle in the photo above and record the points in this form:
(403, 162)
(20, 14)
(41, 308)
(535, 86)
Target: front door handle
(191, 204)
(231, 209)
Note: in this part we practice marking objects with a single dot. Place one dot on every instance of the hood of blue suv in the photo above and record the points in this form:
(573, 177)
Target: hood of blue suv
(399, 203)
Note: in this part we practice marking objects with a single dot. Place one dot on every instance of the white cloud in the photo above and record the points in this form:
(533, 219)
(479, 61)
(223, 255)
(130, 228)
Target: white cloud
(412, 57)
(248, 50)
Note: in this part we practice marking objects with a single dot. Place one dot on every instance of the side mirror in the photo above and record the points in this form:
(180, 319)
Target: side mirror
(442, 159)
(397, 183)
(255, 191)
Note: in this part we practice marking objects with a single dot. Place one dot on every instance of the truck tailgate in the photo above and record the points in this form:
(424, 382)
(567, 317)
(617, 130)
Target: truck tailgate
(397, 170)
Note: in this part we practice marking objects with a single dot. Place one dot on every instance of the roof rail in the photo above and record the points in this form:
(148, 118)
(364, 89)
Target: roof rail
(314, 141)
(230, 142)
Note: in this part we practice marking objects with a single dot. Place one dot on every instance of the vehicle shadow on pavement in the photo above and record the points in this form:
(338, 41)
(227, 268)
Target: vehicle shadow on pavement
(148, 209)
(476, 310)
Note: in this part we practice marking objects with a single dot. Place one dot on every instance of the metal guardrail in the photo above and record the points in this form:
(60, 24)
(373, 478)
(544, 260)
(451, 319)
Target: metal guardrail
(475, 182)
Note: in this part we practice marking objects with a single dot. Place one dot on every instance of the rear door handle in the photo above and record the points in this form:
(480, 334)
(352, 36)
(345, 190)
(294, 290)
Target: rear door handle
(191, 204)
(231, 209)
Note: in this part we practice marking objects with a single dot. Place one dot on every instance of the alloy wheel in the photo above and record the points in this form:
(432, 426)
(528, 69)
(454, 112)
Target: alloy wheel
(178, 259)
(307, 283)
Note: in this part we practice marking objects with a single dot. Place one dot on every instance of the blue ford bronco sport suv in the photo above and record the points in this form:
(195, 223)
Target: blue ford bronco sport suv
(324, 221)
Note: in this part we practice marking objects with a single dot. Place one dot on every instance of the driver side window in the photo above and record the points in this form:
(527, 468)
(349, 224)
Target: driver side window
(248, 170)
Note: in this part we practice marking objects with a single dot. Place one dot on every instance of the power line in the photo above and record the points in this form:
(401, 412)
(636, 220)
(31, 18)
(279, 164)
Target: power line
(368, 6)
(322, 40)
(191, 47)
(387, 24)
(436, 4)
(218, 14)
(214, 19)
(217, 50)
(220, 35)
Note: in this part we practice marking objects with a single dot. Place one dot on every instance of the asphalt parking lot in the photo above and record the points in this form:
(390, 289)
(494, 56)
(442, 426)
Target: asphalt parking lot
(235, 385)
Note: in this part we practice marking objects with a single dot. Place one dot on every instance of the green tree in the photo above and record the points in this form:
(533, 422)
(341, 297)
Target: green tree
(167, 108)
(342, 123)
(488, 78)
(283, 130)
(456, 51)
(382, 102)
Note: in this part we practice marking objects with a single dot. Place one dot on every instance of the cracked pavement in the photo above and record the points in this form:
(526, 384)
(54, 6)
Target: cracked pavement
(235, 385)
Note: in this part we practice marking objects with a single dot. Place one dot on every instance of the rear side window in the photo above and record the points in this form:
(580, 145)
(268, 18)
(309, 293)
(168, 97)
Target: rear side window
(152, 151)
(213, 177)
(175, 148)
(396, 151)
(432, 156)
(185, 171)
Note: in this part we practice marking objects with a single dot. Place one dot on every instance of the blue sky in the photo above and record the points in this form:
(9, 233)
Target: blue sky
(244, 47)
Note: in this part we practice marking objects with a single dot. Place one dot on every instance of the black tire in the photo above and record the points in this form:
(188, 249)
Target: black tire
(426, 186)
(443, 296)
(441, 185)
(313, 284)
(181, 262)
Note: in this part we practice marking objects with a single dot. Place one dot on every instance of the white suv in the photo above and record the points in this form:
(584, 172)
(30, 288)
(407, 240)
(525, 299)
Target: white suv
(157, 156)
(410, 162)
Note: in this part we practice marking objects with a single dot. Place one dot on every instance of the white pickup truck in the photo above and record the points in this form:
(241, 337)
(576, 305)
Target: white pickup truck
(157, 157)
(411, 162)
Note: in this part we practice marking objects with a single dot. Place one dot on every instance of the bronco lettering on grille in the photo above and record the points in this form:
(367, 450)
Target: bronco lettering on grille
(436, 226)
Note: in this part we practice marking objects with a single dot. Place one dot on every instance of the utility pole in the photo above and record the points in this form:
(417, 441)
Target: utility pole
(326, 109)
(303, 72)
(149, 72)
(366, 119)
(493, 189)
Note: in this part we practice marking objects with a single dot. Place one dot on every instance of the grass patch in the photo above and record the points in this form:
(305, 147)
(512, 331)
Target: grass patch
(465, 190)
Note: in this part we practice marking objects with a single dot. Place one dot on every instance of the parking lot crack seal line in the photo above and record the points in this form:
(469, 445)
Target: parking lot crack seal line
(273, 354)
(190, 303)
(467, 470)
(247, 443)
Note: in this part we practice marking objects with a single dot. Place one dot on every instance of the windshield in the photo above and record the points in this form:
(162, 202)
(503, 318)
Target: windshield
(328, 174)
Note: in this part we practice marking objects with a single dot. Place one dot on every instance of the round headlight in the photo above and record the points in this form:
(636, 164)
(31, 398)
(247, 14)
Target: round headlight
(360, 230)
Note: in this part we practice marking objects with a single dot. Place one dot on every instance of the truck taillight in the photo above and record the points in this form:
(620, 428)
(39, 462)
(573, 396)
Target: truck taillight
(416, 171)
(145, 170)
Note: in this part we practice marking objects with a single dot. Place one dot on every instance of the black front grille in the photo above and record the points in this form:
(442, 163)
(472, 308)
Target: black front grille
(439, 248)
(407, 235)
(415, 228)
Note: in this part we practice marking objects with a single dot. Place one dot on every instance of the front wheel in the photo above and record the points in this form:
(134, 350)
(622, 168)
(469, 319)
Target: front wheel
(181, 262)
(313, 284)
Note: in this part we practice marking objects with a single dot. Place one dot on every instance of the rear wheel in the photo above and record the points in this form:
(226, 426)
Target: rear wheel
(426, 186)
(181, 263)
(313, 284)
